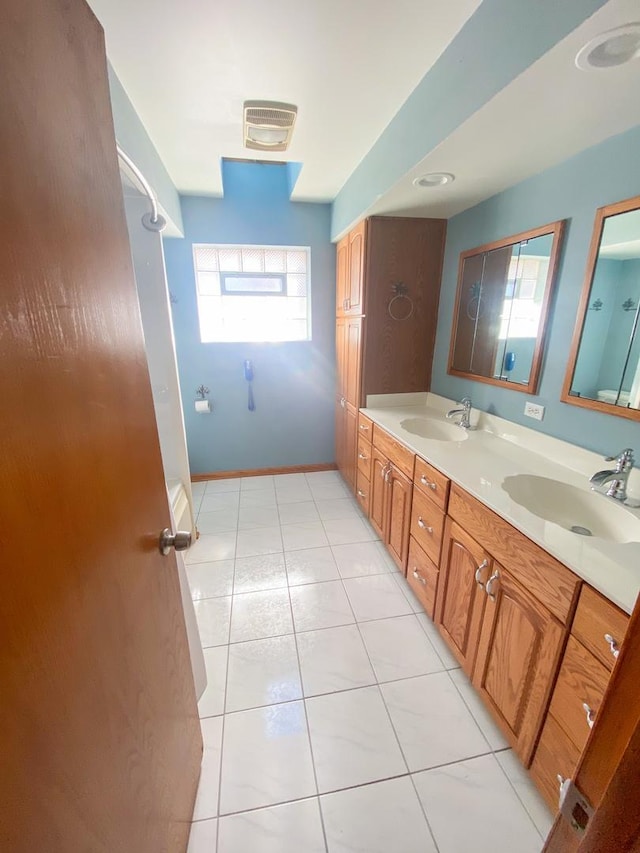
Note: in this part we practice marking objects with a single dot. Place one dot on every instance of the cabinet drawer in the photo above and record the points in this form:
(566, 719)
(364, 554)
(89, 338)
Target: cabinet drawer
(364, 457)
(427, 525)
(397, 453)
(430, 481)
(582, 680)
(422, 576)
(595, 618)
(365, 426)
(555, 756)
(363, 491)
(553, 584)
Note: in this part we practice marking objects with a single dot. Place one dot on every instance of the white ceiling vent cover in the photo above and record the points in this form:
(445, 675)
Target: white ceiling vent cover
(268, 125)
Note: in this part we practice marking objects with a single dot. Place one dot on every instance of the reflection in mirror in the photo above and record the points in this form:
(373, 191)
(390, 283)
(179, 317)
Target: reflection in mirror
(604, 373)
(501, 308)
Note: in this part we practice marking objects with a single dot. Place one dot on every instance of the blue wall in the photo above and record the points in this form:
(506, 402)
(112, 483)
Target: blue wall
(482, 59)
(135, 141)
(572, 190)
(294, 382)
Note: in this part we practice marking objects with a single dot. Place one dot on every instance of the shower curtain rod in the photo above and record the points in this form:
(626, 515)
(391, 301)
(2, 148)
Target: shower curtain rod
(152, 221)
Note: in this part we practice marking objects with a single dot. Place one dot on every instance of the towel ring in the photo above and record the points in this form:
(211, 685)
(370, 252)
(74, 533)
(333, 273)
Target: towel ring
(395, 299)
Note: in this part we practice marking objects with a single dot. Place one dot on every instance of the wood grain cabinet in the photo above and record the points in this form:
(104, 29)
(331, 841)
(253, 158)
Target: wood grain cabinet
(391, 494)
(464, 569)
(518, 651)
(375, 353)
(597, 633)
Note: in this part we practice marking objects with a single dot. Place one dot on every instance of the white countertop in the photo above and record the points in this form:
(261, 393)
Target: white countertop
(499, 449)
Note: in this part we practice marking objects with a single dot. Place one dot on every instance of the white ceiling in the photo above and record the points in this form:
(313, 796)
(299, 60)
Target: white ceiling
(188, 65)
(547, 114)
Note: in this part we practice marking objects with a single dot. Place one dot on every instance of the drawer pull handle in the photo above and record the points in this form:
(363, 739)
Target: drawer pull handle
(342, 402)
(364, 427)
(489, 588)
(419, 577)
(423, 525)
(591, 715)
(361, 494)
(426, 482)
(483, 565)
(362, 456)
(613, 645)
(387, 476)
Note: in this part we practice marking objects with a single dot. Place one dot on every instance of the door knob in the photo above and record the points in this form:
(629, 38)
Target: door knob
(180, 540)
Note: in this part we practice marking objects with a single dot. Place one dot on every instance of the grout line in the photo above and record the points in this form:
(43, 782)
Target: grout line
(515, 790)
(306, 718)
(423, 810)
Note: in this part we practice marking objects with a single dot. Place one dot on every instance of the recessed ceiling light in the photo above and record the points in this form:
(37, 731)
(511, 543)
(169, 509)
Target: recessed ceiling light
(611, 49)
(434, 179)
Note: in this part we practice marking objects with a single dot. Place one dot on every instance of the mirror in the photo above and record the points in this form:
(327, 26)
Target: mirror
(504, 289)
(604, 367)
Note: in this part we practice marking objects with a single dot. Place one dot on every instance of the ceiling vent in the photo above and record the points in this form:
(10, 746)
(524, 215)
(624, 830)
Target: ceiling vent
(268, 125)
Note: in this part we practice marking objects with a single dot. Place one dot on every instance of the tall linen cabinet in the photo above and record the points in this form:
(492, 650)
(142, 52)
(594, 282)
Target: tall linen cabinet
(388, 273)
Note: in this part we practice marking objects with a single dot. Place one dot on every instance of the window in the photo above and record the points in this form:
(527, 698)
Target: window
(522, 305)
(253, 293)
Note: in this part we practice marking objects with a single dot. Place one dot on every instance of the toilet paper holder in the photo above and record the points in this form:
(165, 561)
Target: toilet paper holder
(202, 391)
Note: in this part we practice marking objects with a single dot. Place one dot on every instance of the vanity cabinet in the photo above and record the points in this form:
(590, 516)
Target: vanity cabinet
(597, 632)
(379, 351)
(503, 604)
(391, 494)
(461, 600)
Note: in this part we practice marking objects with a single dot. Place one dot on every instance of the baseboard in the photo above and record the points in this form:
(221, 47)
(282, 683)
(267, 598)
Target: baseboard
(263, 472)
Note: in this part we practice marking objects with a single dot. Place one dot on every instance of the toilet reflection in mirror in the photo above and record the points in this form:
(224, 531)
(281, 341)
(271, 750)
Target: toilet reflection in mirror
(604, 371)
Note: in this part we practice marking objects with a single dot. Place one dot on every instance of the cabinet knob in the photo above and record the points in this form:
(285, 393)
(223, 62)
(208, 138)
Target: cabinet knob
(424, 526)
(613, 645)
(428, 483)
(490, 585)
(591, 715)
(418, 576)
(362, 456)
(483, 565)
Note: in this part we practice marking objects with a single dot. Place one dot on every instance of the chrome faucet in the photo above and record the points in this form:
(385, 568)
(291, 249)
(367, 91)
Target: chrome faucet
(617, 477)
(464, 412)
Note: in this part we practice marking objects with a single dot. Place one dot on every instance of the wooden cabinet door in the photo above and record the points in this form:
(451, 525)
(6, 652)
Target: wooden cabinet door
(378, 492)
(341, 357)
(352, 350)
(400, 489)
(520, 646)
(461, 599)
(350, 444)
(340, 433)
(355, 280)
(342, 275)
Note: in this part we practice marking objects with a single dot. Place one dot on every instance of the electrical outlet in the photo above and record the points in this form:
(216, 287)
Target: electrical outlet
(533, 410)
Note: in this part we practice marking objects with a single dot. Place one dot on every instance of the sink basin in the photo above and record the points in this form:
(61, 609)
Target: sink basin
(435, 430)
(578, 510)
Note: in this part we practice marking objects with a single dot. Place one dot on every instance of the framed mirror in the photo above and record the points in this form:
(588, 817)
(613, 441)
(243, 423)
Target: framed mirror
(502, 303)
(604, 364)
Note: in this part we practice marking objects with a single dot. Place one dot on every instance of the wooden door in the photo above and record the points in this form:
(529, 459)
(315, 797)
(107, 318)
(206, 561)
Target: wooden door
(99, 732)
(350, 444)
(518, 655)
(461, 599)
(355, 281)
(353, 345)
(378, 493)
(400, 491)
(342, 274)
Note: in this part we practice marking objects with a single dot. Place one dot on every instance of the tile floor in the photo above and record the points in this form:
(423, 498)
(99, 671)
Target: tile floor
(335, 719)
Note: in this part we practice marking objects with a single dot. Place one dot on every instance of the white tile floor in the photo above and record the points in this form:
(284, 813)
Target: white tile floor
(335, 719)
